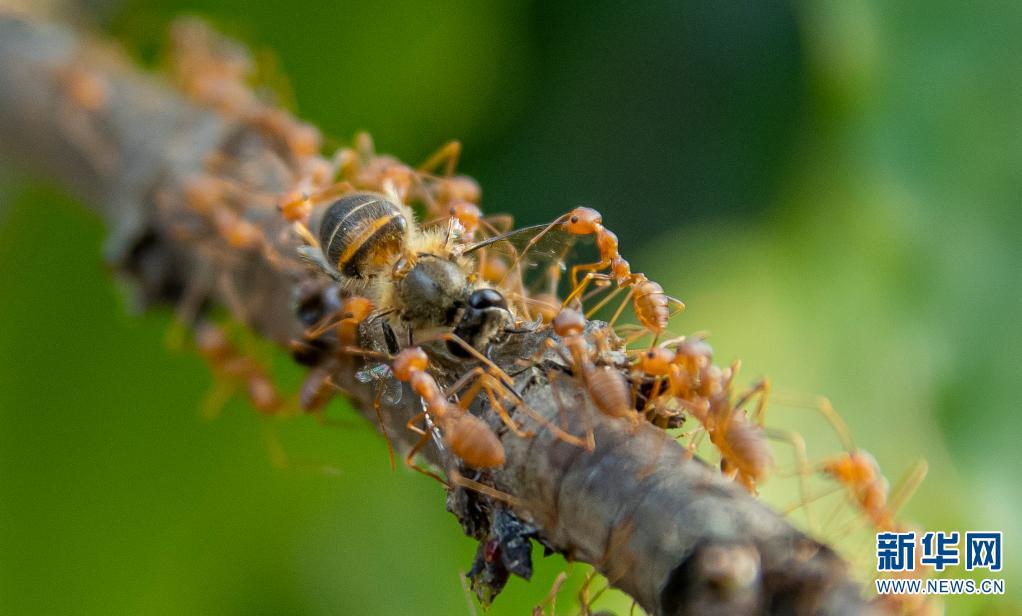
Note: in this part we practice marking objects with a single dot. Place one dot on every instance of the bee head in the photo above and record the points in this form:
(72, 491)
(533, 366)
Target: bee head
(432, 292)
(485, 318)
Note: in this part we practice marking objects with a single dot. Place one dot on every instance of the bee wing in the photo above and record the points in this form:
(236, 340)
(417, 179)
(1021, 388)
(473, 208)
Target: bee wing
(534, 251)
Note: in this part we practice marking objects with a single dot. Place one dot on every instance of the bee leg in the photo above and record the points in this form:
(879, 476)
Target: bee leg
(314, 257)
(390, 337)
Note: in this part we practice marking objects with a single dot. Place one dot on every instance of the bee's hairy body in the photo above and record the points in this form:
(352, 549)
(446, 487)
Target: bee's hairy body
(411, 274)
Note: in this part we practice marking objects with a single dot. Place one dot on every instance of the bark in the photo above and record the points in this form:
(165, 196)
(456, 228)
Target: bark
(667, 529)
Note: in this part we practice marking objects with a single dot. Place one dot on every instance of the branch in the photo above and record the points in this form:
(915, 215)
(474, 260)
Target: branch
(665, 528)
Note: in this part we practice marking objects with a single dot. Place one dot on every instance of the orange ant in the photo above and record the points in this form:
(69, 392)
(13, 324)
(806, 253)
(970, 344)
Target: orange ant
(209, 196)
(607, 388)
(490, 380)
(650, 303)
(744, 455)
(363, 168)
(469, 437)
(857, 471)
(236, 370)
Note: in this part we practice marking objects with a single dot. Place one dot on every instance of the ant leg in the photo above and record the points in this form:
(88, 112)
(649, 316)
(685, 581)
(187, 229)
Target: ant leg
(907, 486)
(621, 308)
(497, 223)
(280, 460)
(798, 445)
(494, 369)
(463, 481)
(823, 406)
(472, 393)
(603, 302)
(502, 412)
(447, 156)
(423, 439)
(583, 594)
(215, 400)
(558, 432)
(551, 598)
(464, 380)
(581, 285)
(761, 391)
(467, 592)
(592, 268)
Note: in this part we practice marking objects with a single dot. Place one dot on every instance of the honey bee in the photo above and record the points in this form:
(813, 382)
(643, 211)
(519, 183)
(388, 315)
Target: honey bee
(416, 277)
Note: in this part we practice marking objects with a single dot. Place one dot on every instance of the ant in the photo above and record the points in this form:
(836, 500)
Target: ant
(235, 370)
(650, 303)
(607, 388)
(858, 473)
(493, 382)
(706, 392)
(469, 437)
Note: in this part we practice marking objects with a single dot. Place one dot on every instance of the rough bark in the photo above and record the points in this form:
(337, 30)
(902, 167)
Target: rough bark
(666, 529)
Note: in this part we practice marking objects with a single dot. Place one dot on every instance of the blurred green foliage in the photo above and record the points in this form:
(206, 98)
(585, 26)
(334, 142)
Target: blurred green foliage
(832, 188)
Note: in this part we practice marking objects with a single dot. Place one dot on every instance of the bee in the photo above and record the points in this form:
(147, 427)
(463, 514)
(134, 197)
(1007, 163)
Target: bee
(416, 277)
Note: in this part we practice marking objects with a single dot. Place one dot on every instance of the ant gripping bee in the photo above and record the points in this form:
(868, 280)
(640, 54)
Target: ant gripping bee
(469, 437)
(368, 242)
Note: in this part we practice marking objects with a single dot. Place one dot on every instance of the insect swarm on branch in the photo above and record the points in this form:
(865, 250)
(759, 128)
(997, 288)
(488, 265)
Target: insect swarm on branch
(668, 530)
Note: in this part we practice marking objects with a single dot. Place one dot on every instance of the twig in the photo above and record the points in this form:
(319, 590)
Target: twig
(666, 529)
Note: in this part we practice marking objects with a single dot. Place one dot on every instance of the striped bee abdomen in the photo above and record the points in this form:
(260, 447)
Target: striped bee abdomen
(361, 233)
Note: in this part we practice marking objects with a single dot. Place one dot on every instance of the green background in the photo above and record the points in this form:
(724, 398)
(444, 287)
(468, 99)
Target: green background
(832, 187)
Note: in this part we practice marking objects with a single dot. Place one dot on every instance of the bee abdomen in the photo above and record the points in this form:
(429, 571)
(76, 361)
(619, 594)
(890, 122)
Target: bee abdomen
(360, 233)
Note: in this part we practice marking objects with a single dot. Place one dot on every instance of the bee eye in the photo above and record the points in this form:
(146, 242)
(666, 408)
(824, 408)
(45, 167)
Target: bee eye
(487, 298)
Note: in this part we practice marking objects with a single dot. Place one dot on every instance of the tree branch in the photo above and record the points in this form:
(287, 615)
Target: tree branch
(667, 529)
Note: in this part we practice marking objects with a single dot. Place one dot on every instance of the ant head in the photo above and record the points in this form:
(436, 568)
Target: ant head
(356, 308)
(656, 361)
(569, 322)
(468, 214)
(408, 362)
(583, 221)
